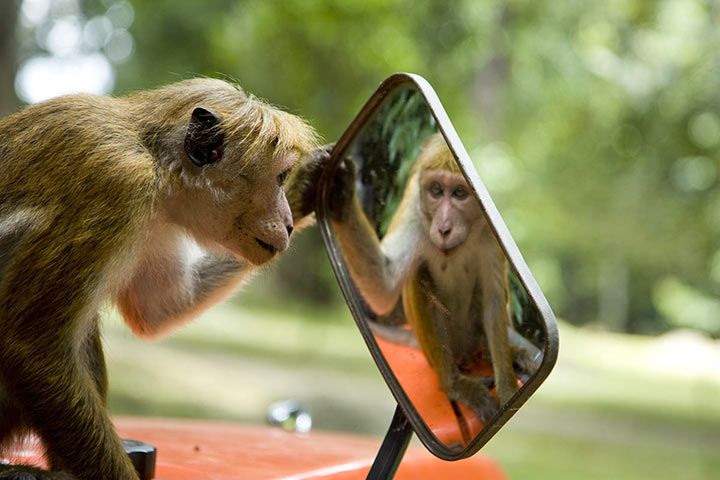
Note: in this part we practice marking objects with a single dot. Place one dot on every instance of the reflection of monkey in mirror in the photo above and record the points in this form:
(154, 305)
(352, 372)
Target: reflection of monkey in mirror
(441, 256)
(162, 202)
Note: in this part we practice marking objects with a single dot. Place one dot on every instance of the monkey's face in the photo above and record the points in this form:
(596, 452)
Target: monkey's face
(449, 209)
(261, 221)
(235, 199)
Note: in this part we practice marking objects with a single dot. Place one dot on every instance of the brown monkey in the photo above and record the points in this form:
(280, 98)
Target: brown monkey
(440, 255)
(103, 199)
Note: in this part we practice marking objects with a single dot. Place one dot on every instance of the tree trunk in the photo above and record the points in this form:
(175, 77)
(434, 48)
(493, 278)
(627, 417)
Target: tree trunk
(8, 47)
(491, 79)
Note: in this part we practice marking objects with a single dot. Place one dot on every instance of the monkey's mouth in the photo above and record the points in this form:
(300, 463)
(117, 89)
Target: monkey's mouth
(266, 246)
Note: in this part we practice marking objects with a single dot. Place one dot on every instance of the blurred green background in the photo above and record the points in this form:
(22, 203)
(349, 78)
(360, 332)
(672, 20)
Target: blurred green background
(595, 127)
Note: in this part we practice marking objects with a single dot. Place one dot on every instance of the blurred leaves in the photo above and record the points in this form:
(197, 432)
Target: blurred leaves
(603, 117)
(595, 125)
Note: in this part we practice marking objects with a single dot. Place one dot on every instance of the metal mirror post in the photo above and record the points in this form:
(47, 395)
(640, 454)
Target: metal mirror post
(446, 304)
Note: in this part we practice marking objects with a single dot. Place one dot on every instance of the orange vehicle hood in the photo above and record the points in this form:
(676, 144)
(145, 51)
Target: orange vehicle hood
(202, 450)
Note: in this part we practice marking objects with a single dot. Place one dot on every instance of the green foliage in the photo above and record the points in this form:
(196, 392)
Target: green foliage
(595, 126)
(386, 149)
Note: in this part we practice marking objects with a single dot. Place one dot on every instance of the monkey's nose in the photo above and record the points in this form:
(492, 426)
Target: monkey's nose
(444, 231)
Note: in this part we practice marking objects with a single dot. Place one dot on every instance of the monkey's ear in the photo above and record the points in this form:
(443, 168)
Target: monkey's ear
(204, 139)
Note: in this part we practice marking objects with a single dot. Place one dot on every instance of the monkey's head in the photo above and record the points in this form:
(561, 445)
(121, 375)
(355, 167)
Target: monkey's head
(229, 170)
(450, 211)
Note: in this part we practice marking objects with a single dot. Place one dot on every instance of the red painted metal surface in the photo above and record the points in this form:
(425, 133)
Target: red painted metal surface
(199, 450)
(221, 451)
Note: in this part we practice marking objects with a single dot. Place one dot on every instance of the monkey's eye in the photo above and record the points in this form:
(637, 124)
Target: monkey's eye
(460, 193)
(435, 189)
(283, 177)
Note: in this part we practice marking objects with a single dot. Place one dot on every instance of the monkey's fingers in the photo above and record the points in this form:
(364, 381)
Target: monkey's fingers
(302, 187)
(343, 189)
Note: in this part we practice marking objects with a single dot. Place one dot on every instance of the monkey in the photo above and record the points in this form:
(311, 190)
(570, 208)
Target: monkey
(103, 200)
(441, 258)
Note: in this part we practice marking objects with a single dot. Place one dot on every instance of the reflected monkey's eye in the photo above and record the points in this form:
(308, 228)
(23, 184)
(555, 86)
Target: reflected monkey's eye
(460, 193)
(435, 189)
(282, 177)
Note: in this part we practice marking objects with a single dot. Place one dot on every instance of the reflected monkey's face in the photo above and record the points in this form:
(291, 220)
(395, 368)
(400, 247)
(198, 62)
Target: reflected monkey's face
(449, 210)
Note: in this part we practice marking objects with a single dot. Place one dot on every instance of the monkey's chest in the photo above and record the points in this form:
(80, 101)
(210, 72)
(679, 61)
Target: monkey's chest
(459, 292)
(457, 289)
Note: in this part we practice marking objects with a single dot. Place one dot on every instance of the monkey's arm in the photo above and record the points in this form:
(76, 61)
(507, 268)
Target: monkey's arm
(50, 360)
(434, 328)
(174, 283)
(379, 269)
(495, 316)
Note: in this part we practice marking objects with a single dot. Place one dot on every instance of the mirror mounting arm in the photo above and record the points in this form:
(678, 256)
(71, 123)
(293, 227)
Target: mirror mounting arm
(393, 447)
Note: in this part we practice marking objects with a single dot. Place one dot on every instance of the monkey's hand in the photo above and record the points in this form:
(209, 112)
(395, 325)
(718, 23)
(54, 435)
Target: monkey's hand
(525, 362)
(301, 190)
(526, 356)
(25, 472)
(342, 192)
(472, 391)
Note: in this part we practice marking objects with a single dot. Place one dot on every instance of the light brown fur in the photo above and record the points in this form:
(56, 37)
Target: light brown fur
(441, 258)
(98, 202)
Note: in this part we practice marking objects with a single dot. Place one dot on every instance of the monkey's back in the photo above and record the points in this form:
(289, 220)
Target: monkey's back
(68, 148)
(76, 186)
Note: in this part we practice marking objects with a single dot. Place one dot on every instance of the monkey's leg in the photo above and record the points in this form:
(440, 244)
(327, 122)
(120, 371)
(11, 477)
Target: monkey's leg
(467, 389)
(67, 412)
(12, 430)
(95, 360)
(497, 335)
(434, 331)
(13, 427)
(496, 320)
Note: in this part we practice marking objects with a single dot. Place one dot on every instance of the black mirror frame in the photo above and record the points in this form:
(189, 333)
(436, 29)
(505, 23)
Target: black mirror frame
(502, 234)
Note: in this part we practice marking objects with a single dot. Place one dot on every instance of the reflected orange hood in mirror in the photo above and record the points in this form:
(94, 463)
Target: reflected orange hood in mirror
(422, 385)
(202, 450)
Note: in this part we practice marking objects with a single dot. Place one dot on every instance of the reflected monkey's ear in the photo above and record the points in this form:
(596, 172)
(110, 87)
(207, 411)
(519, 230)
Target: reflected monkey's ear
(205, 139)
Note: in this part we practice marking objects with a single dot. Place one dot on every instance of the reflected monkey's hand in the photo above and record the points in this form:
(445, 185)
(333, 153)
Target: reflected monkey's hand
(343, 189)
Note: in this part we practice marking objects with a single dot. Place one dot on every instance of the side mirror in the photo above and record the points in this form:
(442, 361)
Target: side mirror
(448, 308)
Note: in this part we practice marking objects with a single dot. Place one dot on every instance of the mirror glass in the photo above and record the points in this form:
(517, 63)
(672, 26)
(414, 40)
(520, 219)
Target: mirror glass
(442, 303)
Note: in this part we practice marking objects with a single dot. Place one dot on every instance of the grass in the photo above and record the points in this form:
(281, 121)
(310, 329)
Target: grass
(616, 406)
